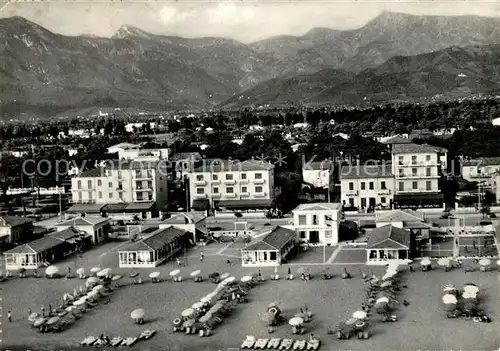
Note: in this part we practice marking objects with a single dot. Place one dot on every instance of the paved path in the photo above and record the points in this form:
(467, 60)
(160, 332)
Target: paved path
(335, 252)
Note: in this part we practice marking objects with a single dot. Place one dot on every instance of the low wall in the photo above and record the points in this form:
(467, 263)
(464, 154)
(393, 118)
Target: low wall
(243, 215)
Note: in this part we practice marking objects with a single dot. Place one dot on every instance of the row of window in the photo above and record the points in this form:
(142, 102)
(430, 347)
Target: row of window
(364, 201)
(371, 185)
(414, 159)
(314, 219)
(401, 186)
(229, 176)
(110, 184)
(229, 190)
(139, 195)
(414, 186)
(414, 172)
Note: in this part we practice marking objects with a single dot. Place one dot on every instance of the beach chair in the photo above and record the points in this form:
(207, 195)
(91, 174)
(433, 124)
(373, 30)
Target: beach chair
(261, 343)
(286, 344)
(248, 342)
(115, 341)
(147, 334)
(129, 341)
(88, 341)
(313, 345)
(299, 345)
(274, 343)
(101, 343)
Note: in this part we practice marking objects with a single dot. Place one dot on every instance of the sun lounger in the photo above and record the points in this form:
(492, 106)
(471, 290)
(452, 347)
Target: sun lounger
(129, 341)
(88, 341)
(116, 341)
(249, 342)
(274, 343)
(261, 343)
(286, 344)
(299, 345)
(147, 334)
(313, 345)
(100, 343)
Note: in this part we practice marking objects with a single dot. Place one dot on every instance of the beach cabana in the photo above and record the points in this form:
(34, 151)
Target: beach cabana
(388, 244)
(270, 249)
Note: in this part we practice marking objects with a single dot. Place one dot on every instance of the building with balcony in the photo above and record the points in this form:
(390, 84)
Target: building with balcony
(122, 182)
(231, 185)
(367, 186)
(418, 171)
(318, 174)
(143, 154)
(318, 223)
(482, 170)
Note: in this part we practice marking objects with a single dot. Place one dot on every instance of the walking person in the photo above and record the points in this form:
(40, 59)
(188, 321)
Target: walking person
(260, 275)
(42, 309)
(9, 316)
(50, 310)
(202, 256)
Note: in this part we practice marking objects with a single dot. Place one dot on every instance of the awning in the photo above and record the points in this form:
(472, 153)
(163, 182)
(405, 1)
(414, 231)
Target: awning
(244, 204)
(140, 206)
(419, 200)
(201, 205)
(115, 208)
(86, 208)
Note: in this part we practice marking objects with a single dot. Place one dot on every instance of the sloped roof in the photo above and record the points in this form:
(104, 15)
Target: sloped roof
(14, 221)
(389, 237)
(483, 161)
(416, 149)
(156, 241)
(39, 245)
(397, 140)
(217, 165)
(65, 234)
(86, 208)
(90, 220)
(275, 240)
(92, 173)
(319, 206)
(115, 208)
(140, 206)
(400, 216)
(181, 218)
(366, 171)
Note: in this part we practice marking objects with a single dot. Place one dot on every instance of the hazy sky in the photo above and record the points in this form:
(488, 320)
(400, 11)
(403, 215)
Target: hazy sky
(242, 20)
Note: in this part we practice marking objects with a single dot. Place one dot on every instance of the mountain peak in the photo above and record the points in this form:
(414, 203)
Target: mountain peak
(128, 31)
(321, 33)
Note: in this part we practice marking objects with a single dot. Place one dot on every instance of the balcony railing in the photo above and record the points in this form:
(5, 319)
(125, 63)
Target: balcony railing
(260, 194)
(258, 181)
(229, 181)
(384, 192)
(230, 195)
(200, 182)
(200, 196)
(246, 193)
(352, 193)
(215, 181)
(419, 190)
(216, 195)
(244, 181)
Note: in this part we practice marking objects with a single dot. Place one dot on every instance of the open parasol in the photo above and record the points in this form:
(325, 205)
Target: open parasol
(52, 320)
(469, 295)
(104, 272)
(92, 281)
(484, 262)
(359, 315)
(351, 321)
(444, 262)
(93, 293)
(154, 275)
(137, 314)
(175, 272)
(116, 277)
(80, 271)
(471, 288)
(195, 273)
(425, 261)
(296, 321)
(449, 299)
(33, 317)
(246, 279)
(95, 269)
(38, 322)
(51, 270)
(224, 275)
(197, 305)
(79, 302)
(205, 318)
(382, 299)
(187, 313)
(230, 280)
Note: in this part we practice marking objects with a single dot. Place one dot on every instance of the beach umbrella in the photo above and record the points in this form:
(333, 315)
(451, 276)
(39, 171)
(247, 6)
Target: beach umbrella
(408, 261)
(95, 269)
(187, 313)
(51, 270)
(197, 305)
(206, 299)
(386, 284)
(449, 288)
(230, 280)
(52, 320)
(224, 275)
(195, 273)
(189, 323)
(39, 322)
(469, 295)
(104, 272)
(444, 262)
(485, 262)
(70, 308)
(98, 287)
(359, 315)
(175, 272)
(137, 314)
(382, 308)
(154, 275)
(79, 302)
(449, 299)
(246, 279)
(471, 289)
(93, 293)
(382, 300)
(80, 271)
(205, 318)
(425, 261)
(296, 321)
(116, 277)
(32, 317)
(92, 281)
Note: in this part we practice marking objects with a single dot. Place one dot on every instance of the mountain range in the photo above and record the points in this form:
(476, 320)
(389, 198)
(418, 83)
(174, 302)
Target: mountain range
(394, 55)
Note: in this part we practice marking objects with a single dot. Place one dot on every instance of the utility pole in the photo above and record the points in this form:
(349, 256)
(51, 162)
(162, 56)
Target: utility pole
(60, 206)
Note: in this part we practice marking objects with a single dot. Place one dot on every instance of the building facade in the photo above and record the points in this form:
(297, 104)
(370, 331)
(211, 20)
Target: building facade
(95, 227)
(269, 250)
(15, 229)
(318, 223)
(367, 186)
(144, 154)
(228, 182)
(318, 174)
(482, 170)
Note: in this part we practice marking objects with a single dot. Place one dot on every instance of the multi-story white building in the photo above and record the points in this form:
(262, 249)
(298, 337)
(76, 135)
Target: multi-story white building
(143, 154)
(480, 170)
(418, 170)
(318, 223)
(367, 186)
(318, 174)
(232, 184)
(122, 182)
(122, 147)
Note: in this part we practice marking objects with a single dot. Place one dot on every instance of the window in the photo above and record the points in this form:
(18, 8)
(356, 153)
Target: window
(230, 190)
(79, 184)
(478, 170)
(120, 186)
(427, 158)
(413, 159)
(314, 219)
(243, 176)
(371, 185)
(363, 185)
(138, 173)
(161, 189)
(302, 234)
(150, 196)
(215, 177)
(150, 184)
(401, 172)
(382, 185)
(414, 172)
(382, 200)
(110, 195)
(302, 220)
(258, 189)
(351, 202)
(414, 185)
(90, 195)
(99, 182)
(244, 189)
(428, 185)
(80, 196)
(199, 177)
(351, 186)
(258, 175)
(401, 186)
(139, 196)
(200, 191)
(100, 194)
(89, 184)
(401, 160)
(229, 177)
(138, 185)
(215, 190)
(110, 184)
(428, 172)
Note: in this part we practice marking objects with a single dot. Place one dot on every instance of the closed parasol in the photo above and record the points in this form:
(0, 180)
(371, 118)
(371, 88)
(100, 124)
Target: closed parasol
(174, 272)
(471, 289)
(359, 315)
(382, 299)
(95, 269)
(67, 297)
(205, 318)
(82, 289)
(296, 321)
(224, 275)
(246, 279)
(154, 275)
(197, 305)
(137, 314)
(195, 273)
(92, 281)
(52, 320)
(32, 317)
(39, 322)
(75, 292)
(51, 270)
(425, 261)
(449, 299)
(484, 262)
(80, 271)
(187, 313)
(444, 262)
